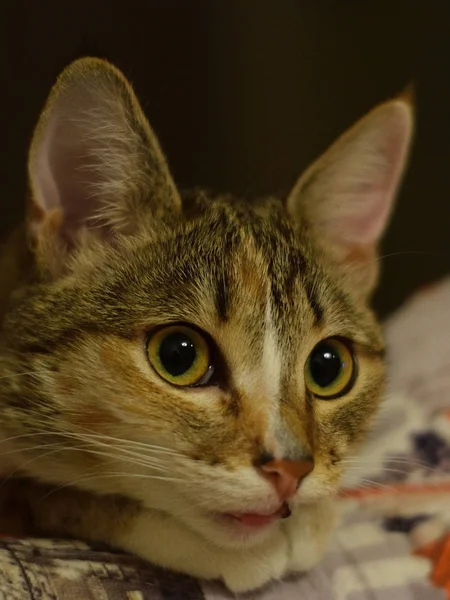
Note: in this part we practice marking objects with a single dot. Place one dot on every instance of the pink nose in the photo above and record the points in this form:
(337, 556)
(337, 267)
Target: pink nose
(286, 475)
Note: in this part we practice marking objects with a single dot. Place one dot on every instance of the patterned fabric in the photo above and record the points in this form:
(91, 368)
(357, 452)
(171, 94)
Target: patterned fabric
(66, 570)
(393, 542)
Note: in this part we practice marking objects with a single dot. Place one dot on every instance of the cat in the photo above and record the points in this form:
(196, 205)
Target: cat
(183, 375)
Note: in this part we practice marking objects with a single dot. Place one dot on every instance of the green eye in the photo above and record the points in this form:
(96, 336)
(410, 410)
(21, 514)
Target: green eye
(180, 355)
(330, 369)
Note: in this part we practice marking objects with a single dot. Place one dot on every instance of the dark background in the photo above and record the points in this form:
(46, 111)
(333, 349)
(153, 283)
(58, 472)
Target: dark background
(245, 93)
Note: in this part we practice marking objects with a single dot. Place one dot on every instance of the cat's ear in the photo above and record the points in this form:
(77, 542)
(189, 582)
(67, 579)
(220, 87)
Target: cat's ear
(346, 196)
(94, 161)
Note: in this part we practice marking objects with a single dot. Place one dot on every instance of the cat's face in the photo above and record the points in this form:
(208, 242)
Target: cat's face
(212, 358)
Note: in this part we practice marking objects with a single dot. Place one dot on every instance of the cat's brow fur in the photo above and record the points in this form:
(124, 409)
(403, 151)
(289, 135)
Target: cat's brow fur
(79, 402)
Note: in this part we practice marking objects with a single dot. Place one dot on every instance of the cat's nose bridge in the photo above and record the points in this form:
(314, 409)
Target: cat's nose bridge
(286, 475)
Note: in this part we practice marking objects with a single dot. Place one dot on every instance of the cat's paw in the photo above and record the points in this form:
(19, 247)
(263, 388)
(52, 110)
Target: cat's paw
(308, 531)
(168, 543)
(250, 569)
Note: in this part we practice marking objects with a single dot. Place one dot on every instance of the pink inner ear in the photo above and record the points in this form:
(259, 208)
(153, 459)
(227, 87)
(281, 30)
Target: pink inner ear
(45, 190)
(370, 167)
(365, 223)
(94, 161)
(64, 166)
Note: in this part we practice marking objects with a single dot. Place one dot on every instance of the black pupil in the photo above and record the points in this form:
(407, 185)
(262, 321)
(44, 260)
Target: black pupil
(177, 353)
(325, 365)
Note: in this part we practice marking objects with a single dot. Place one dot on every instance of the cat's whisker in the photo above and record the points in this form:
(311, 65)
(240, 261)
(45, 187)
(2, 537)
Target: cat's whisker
(140, 457)
(93, 440)
(22, 374)
(59, 445)
(22, 466)
(381, 468)
(89, 448)
(389, 469)
(396, 254)
(104, 475)
(28, 435)
(403, 461)
(144, 445)
(146, 464)
(403, 468)
(408, 253)
(370, 484)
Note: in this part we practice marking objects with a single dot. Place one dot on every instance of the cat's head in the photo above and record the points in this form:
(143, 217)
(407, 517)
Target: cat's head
(207, 356)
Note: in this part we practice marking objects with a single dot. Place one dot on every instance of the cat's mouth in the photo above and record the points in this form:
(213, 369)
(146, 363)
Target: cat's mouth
(253, 520)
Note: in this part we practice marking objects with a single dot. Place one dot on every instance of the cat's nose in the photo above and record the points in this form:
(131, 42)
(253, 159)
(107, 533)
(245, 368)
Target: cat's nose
(286, 475)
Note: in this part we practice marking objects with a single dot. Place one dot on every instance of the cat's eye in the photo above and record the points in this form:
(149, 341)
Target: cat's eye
(330, 369)
(180, 355)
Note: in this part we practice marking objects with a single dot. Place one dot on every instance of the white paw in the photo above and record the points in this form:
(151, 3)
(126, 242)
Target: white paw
(308, 531)
(168, 543)
(251, 569)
